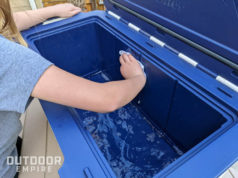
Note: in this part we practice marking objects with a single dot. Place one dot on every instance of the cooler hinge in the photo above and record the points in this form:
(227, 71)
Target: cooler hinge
(182, 56)
(154, 39)
(227, 83)
(114, 15)
(157, 41)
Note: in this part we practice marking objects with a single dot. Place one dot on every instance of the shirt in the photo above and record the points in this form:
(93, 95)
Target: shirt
(20, 69)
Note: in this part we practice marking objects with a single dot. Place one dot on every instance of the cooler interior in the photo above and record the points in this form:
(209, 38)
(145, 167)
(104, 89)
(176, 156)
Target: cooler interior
(166, 120)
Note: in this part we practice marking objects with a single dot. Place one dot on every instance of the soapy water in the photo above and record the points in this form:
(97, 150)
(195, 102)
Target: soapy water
(129, 142)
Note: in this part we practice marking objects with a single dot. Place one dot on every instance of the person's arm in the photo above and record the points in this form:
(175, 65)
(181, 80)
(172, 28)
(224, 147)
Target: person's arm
(61, 87)
(27, 19)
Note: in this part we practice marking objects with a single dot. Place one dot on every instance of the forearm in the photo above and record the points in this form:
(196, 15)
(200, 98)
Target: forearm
(105, 97)
(125, 90)
(61, 87)
(27, 19)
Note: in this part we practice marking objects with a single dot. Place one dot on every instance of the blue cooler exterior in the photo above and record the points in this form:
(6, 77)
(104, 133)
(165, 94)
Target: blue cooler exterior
(183, 123)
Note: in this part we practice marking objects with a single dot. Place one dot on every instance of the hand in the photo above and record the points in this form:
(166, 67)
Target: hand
(130, 67)
(65, 10)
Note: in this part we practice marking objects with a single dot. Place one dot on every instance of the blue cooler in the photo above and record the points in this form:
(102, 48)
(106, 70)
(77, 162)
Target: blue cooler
(183, 123)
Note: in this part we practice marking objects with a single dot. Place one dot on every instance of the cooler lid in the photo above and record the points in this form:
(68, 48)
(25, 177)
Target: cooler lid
(210, 26)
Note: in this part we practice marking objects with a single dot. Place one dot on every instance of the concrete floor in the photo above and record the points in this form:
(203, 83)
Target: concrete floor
(38, 140)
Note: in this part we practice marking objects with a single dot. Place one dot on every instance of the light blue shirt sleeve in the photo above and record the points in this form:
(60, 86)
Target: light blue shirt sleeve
(20, 70)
